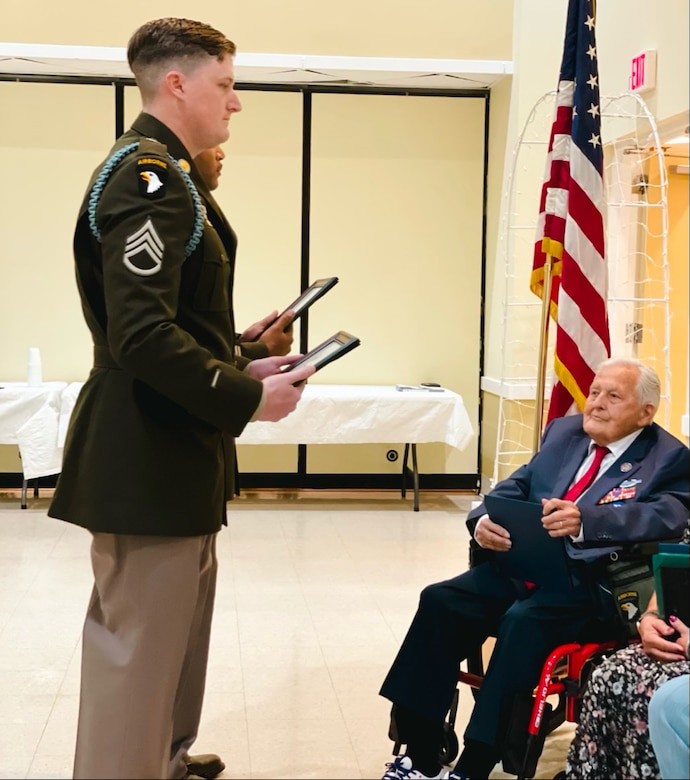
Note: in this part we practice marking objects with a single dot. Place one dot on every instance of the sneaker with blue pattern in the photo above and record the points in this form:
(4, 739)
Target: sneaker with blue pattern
(402, 769)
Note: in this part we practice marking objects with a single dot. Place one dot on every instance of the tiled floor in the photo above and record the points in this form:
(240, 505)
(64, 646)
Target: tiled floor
(315, 594)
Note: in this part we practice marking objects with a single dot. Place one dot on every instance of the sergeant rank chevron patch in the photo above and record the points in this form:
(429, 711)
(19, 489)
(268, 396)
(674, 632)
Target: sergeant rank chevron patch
(144, 251)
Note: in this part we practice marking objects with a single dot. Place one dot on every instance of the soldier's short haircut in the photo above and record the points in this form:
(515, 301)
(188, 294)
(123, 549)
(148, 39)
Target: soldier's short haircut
(163, 44)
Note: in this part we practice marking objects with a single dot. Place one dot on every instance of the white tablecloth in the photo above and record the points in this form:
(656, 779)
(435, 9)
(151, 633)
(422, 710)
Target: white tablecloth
(36, 419)
(29, 418)
(359, 414)
(67, 401)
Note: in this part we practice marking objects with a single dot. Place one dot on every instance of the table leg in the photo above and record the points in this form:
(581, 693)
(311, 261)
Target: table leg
(415, 474)
(415, 478)
(25, 484)
(403, 489)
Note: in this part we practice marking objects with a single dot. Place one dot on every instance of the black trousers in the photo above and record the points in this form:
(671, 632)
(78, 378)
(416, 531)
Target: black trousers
(453, 620)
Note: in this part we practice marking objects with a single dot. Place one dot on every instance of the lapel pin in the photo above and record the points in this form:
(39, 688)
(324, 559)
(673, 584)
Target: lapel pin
(626, 466)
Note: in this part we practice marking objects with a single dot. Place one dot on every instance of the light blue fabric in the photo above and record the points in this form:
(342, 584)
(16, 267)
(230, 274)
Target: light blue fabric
(669, 728)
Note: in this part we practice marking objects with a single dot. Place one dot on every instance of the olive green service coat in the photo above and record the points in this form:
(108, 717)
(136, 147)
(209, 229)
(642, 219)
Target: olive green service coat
(150, 448)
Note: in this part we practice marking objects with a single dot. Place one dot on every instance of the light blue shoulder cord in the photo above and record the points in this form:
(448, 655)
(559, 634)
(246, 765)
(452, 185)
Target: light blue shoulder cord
(104, 175)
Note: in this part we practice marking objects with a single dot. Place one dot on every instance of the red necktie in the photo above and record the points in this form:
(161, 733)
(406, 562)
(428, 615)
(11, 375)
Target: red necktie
(589, 476)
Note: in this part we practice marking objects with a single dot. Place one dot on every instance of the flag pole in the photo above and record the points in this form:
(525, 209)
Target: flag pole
(543, 348)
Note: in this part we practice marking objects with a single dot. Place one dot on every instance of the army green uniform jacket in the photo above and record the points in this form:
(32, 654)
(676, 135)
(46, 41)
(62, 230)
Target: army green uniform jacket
(149, 449)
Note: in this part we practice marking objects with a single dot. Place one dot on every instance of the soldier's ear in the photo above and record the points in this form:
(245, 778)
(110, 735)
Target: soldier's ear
(174, 83)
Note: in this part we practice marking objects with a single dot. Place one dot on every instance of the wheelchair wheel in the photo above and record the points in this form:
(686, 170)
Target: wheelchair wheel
(450, 747)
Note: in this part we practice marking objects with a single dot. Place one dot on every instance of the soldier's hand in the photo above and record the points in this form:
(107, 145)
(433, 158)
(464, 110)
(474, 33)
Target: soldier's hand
(278, 337)
(280, 394)
(263, 367)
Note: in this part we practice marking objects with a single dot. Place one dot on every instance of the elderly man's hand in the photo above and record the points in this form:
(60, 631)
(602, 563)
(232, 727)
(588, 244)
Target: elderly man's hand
(492, 536)
(561, 518)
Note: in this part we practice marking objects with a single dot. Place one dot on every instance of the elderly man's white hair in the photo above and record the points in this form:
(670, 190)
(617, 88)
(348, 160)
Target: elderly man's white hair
(648, 384)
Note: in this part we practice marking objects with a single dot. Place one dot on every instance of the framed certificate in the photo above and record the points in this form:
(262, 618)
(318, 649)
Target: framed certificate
(333, 348)
(312, 294)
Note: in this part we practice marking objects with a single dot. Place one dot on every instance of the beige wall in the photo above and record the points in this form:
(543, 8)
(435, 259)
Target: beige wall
(625, 28)
(397, 188)
(396, 214)
(382, 28)
(51, 138)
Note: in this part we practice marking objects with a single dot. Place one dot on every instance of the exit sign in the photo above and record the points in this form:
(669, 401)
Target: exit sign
(643, 72)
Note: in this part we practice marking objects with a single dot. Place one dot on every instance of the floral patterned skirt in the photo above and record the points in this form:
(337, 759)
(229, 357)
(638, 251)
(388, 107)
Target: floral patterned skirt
(612, 738)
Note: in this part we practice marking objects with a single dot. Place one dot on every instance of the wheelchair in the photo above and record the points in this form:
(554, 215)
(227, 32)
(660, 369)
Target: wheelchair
(564, 674)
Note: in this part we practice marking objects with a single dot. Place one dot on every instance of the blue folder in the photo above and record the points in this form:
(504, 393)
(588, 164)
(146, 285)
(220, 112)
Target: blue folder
(534, 556)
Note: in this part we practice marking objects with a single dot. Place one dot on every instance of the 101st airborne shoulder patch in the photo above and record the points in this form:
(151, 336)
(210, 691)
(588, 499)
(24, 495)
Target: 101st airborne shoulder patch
(152, 175)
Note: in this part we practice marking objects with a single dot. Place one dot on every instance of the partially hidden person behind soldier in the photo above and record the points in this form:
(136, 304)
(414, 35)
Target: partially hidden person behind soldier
(149, 458)
(606, 478)
(272, 334)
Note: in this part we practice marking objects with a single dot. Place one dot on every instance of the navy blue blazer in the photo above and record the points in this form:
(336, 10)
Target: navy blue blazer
(643, 496)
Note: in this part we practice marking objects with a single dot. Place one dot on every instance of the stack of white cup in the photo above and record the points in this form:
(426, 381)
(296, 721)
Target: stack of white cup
(34, 374)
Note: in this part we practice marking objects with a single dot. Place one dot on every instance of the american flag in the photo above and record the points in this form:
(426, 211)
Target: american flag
(571, 219)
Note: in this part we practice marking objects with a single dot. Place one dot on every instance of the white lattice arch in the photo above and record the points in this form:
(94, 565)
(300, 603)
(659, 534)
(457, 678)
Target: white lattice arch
(637, 229)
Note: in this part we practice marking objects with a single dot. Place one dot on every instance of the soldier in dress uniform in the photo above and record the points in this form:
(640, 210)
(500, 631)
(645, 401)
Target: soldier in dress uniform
(149, 459)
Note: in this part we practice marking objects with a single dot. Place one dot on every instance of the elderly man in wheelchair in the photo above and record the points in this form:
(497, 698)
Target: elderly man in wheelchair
(602, 481)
